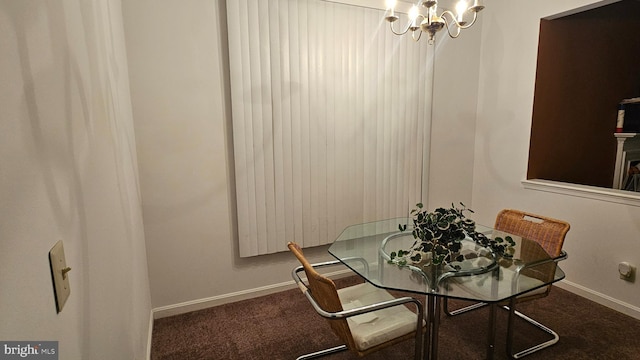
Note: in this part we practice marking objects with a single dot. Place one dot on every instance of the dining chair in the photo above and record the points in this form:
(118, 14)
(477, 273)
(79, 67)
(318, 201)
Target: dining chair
(549, 233)
(364, 317)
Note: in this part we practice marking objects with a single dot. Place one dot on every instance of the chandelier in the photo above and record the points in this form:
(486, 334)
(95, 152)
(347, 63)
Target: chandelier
(430, 22)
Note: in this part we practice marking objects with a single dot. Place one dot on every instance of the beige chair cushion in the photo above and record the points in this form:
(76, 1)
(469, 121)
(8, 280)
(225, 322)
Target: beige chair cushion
(376, 327)
(482, 286)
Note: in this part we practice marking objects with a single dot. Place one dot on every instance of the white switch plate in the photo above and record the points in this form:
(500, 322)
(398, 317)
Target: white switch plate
(627, 271)
(60, 275)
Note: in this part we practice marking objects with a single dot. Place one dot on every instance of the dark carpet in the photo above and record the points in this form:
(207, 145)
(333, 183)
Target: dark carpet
(284, 326)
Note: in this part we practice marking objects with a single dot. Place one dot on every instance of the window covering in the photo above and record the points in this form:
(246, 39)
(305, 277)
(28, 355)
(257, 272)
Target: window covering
(330, 116)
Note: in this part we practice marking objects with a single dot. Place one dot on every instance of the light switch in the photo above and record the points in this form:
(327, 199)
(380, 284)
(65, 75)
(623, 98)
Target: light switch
(59, 274)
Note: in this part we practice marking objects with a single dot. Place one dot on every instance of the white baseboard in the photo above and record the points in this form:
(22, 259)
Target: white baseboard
(194, 305)
(200, 304)
(600, 298)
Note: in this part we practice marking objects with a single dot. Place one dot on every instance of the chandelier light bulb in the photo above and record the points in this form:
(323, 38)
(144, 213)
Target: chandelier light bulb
(461, 8)
(391, 4)
(413, 15)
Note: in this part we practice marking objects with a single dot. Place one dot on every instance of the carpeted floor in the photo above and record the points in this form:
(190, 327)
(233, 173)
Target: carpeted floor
(284, 326)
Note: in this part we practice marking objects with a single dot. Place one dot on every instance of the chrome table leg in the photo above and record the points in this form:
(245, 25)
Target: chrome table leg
(491, 334)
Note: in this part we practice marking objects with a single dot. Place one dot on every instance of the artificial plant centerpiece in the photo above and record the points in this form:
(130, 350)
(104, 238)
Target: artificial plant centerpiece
(438, 237)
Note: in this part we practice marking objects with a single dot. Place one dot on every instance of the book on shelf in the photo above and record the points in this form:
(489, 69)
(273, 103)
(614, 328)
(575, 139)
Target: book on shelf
(628, 120)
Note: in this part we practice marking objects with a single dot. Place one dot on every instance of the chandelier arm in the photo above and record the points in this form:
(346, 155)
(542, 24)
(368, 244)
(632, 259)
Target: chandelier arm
(419, 18)
(452, 17)
(413, 35)
(410, 26)
(448, 27)
(398, 33)
(470, 24)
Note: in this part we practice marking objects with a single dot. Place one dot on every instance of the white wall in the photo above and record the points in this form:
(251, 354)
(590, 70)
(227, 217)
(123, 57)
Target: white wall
(602, 233)
(454, 116)
(180, 94)
(68, 172)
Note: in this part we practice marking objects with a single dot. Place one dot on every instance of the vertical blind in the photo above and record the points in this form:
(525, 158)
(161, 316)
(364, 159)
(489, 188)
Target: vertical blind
(330, 112)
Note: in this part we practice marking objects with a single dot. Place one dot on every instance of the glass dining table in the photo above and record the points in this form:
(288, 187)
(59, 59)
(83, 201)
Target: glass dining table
(481, 275)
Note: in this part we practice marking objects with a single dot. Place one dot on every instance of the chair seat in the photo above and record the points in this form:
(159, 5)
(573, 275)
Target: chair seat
(374, 328)
(477, 285)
